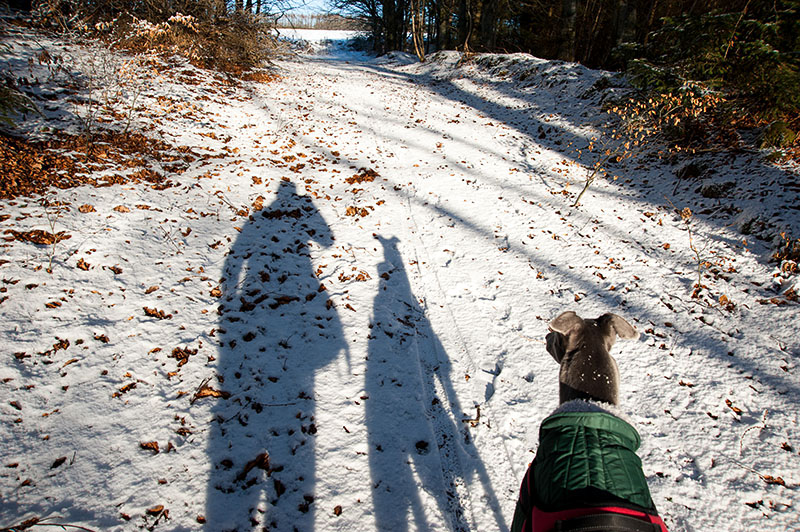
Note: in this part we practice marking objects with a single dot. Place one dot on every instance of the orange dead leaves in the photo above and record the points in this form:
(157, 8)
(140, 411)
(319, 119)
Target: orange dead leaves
(37, 236)
(125, 389)
(259, 76)
(182, 354)
(155, 313)
(356, 211)
(364, 175)
(30, 167)
(150, 446)
(207, 391)
(730, 405)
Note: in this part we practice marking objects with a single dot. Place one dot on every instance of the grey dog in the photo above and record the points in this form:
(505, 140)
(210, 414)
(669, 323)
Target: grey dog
(586, 476)
(581, 347)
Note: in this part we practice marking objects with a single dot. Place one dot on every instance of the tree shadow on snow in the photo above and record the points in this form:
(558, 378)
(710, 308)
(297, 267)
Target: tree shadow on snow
(277, 329)
(417, 437)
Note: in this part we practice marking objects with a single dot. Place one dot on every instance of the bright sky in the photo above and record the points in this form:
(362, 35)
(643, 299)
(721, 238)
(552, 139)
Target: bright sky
(313, 6)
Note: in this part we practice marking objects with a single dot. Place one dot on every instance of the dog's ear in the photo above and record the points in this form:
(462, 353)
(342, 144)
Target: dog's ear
(566, 321)
(556, 345)
(623, 329)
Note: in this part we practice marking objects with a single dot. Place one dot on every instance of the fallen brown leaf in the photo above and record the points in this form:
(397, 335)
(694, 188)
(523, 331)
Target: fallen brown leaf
(730, 405)
(182, 354)
(125, 389)
(261, 461)
(207, 391)
(150, 446)
(155, 313)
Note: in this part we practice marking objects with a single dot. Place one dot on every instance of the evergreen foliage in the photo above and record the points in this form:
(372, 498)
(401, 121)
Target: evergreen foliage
(14, 103)
(751, 56)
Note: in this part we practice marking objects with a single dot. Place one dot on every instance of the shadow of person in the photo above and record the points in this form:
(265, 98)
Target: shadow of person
(413, 414)
(277, 329)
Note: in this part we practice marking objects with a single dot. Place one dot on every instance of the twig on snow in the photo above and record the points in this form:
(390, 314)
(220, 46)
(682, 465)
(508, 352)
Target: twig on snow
(36, 521)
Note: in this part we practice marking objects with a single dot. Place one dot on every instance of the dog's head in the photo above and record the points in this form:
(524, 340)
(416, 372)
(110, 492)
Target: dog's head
(582, 348)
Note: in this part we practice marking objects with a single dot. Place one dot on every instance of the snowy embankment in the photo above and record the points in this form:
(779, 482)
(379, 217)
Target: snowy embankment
(335, 317)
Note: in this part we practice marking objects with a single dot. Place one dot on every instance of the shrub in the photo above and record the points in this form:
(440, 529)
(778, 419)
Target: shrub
(203, 31)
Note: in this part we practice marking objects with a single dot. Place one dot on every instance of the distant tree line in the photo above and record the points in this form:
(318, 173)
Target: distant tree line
(318, 21)
(748, 48)
(586, 31)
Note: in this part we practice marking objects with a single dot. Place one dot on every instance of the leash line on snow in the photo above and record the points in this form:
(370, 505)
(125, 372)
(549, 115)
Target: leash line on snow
(472, 368)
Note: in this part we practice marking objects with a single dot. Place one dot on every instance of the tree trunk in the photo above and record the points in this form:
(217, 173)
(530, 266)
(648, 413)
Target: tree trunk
(489, 24)
(624, 30)
(418, 28)
(389, 25)
(569, 11)
(443, 11)
(465, 25)
(650, 20)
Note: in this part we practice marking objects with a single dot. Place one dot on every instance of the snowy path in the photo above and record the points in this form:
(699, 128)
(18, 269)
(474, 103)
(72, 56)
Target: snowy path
(366, 262)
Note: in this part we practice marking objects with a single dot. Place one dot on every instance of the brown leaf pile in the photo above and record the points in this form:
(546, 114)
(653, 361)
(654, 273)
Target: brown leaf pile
(37, 236)
(182, 354)
(29, 167)
(155, 313)
(259, 76)
(364, 175)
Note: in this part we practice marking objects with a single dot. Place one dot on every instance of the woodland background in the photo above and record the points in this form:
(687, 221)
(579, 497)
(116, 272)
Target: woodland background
(707, 76)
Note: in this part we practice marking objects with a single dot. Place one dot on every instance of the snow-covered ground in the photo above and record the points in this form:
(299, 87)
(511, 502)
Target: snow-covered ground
(335, 319)
(320, 42)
